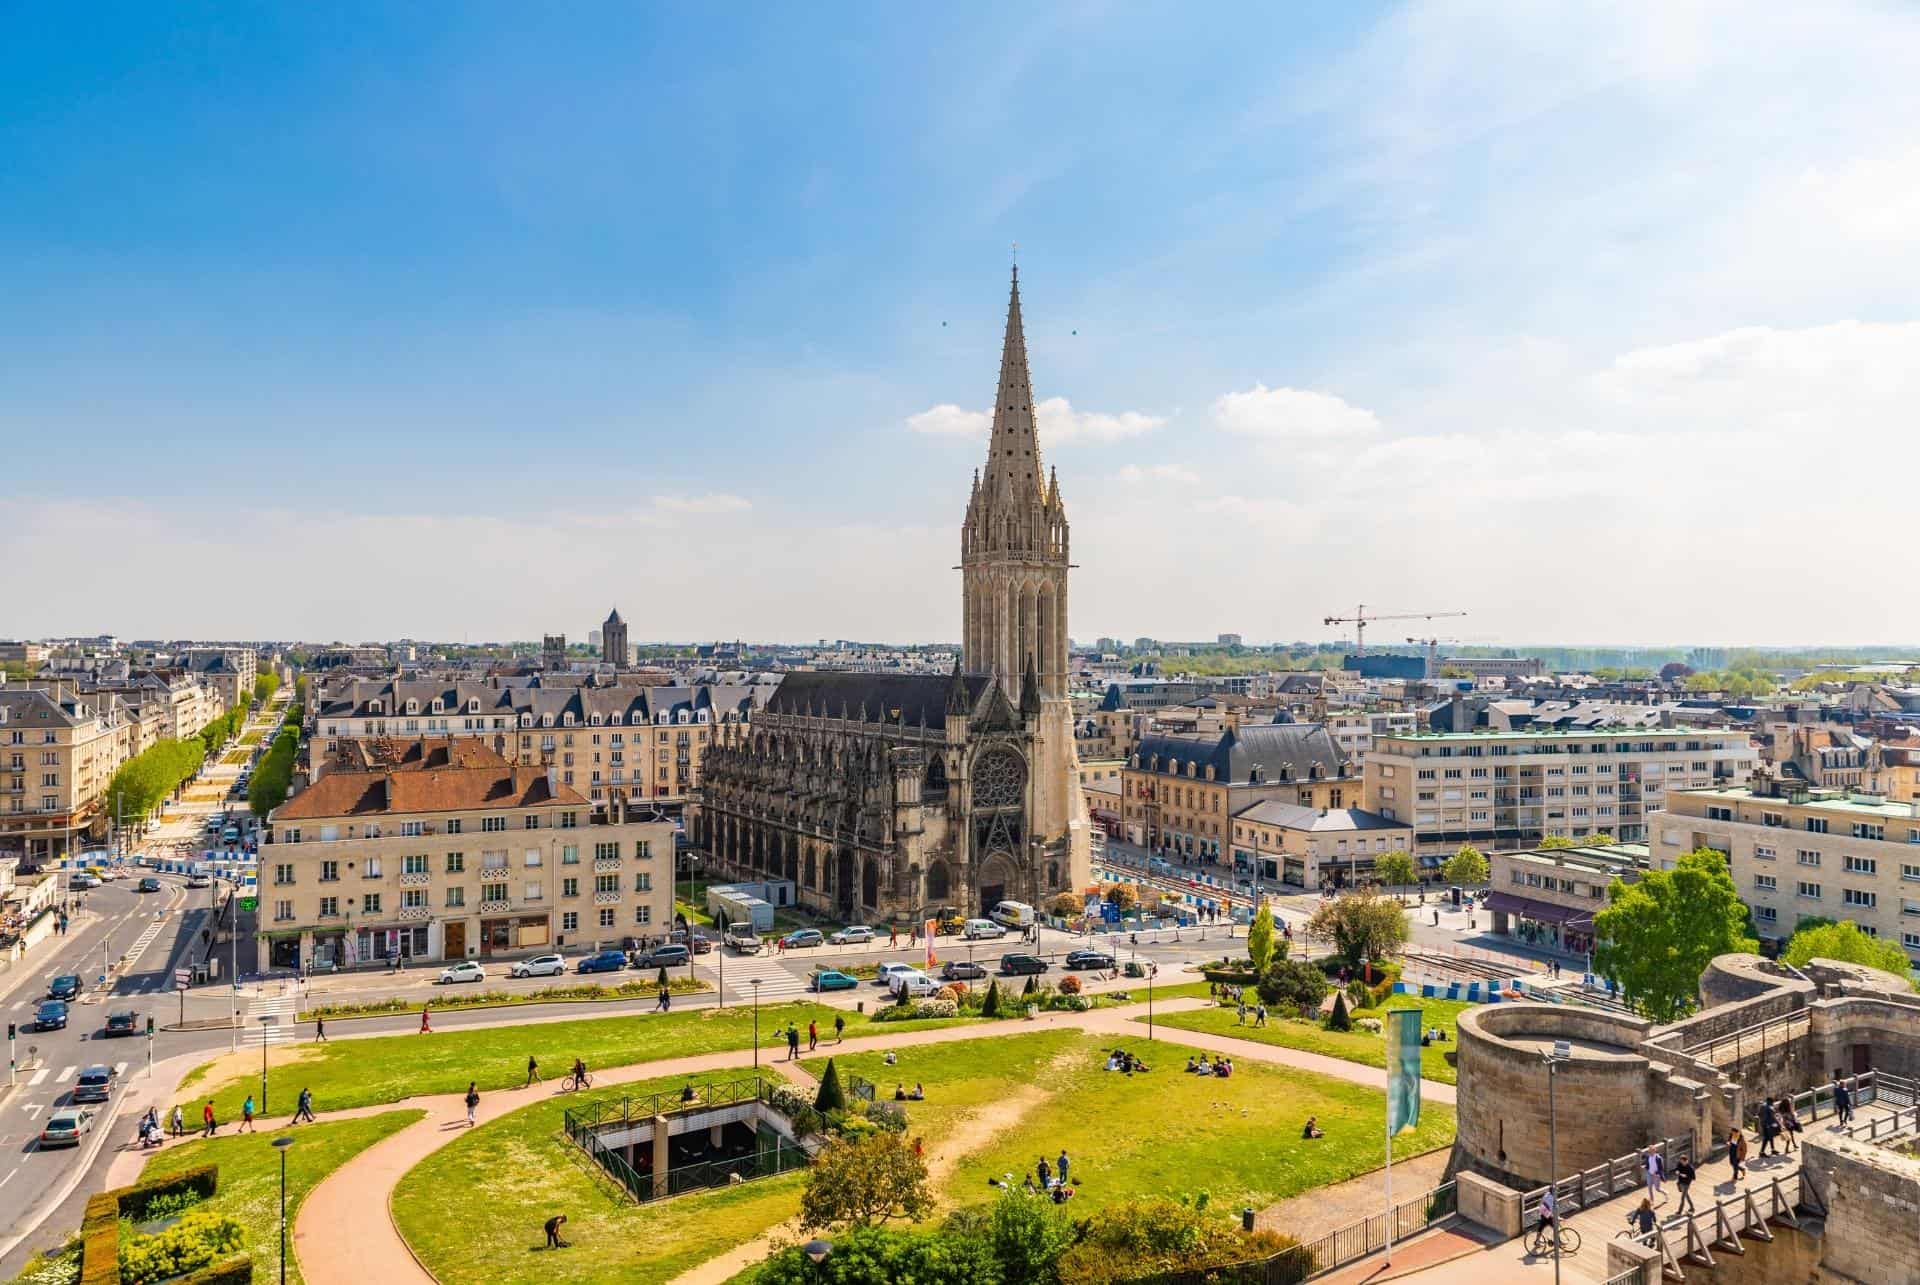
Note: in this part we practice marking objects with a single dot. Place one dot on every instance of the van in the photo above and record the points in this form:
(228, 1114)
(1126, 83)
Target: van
(1014, 914)
(743, 938)
(982, 930)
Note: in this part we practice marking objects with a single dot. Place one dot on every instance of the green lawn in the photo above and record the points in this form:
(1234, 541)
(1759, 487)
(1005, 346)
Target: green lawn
(1350, 1046)
(368, 1072)
(250, 1174)
(235, 757)
(250, 738)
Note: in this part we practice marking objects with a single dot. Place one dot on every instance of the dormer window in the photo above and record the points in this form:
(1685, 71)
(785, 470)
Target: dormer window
(375, 707)
(473, 705)
(439, 706)
(596, 720)
(413, 707)
(526, 720)
(567, 719)
(546, 720)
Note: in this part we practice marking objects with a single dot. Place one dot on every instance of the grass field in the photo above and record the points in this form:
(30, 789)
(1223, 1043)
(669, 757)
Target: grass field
(235, 757)
(250, 1174)
(250, 738)
(369, 1072)
(1350, 1046)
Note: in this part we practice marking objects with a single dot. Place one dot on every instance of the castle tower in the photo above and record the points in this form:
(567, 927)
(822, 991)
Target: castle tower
(613, 640)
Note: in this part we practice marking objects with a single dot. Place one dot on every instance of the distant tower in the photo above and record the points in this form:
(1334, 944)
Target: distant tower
(553, 651)
(613, 639)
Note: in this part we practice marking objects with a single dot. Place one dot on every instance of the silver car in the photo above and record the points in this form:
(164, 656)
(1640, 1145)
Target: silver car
(540, 966)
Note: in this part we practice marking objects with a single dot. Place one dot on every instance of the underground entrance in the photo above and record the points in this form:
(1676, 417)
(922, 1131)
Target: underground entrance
(718, 1134)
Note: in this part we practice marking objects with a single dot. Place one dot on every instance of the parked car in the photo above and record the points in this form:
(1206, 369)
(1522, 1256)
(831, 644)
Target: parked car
(914, 982)
(744, 938)
(607, 961)
(800, 937)
(1022, 965)
(856, 935)
(539, 966)
(885, 976)
(982, 930)
(699, 944)
(467, 970)
(65, 986)
(148, 884)
(832, 979)
(961, 970)
(82, 882)
(125, 1022)
(94, 1085)
(1090, 959)
(50, 1016)
(662, 957)
(65, 1127)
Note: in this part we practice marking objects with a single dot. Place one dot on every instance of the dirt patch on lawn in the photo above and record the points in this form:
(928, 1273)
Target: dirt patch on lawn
(245, 1063)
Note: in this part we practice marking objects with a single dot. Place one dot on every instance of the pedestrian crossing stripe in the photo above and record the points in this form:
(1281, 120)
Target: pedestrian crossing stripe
(67, 1073)
(119, 1068)
(39, 1077)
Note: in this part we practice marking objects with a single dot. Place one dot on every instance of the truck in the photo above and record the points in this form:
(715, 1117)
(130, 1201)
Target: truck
(743, 938)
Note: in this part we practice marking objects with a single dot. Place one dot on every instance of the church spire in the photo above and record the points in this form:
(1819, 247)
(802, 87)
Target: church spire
(1013, 456)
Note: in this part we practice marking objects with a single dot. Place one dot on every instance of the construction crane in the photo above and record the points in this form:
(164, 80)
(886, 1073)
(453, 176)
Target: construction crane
(1360, 620)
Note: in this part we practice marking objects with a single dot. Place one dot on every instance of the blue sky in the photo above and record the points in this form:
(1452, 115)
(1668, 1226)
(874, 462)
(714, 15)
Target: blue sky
(471, 320)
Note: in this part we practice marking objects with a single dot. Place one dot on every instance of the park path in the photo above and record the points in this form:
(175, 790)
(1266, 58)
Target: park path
(358, 1194)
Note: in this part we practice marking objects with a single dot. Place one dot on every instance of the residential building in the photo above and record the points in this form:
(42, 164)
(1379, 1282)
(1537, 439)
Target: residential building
(229, 670)
(1354, 730)
(1797, 850)
(19, 652)
(1547, 898)
(1511, 789)
(1493, 666)
(1179, 792)
(1312, 848)
(441, 855)
(58, 750)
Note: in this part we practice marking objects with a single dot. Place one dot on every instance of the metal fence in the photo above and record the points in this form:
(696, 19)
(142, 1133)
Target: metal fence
(1604, 1181)
(606, 1112)
(1867, 1087)
(1760, 1038)
(1335, 1249)
(764, 1162)
(860, 1087)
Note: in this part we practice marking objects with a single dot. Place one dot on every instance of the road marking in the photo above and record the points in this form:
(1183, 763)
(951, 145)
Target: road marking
(34, 1108)
(39, 1076)
(119, 1068)
(67, 1074)
(9, 1178)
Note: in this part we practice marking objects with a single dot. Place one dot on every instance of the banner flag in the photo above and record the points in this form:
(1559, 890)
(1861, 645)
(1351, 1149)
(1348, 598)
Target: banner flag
(931, 925)
(1403, 1069)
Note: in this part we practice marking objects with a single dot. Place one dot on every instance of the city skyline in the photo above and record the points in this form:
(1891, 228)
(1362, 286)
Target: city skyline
(1536, 316)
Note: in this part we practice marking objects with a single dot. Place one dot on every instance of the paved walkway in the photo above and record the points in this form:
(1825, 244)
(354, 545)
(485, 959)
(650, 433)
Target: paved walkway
(356, 1195)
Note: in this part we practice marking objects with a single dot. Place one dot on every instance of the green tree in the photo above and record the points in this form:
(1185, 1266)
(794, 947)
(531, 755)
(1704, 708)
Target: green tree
(1294, 984)
(1121, 896)
(265, 684)
(1466, 867)
(865, 1180)
(1553, 841)
(1396, 869)
(831, 1097)
(273, 777)
(1846, 943)
(1260, 940)
(1027, 1237)
(883, 1256)
(1361, 926)
(1657, 936)
(1603, 839)
(990, 1006)
(1340, 1019)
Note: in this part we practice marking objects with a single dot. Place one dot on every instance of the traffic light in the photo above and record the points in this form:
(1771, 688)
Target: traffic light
(11, 1031)
(149, 1025)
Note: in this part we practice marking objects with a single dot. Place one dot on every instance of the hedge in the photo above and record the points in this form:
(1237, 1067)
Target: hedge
(100, 1225)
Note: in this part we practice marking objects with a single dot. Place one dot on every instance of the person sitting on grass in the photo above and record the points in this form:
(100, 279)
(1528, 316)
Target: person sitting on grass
(1191, 1066)
(1062, 1194)
(899, 1093)
(1223, 1068)
(1312, 1128)
(918, 1095)
(1205, 1067)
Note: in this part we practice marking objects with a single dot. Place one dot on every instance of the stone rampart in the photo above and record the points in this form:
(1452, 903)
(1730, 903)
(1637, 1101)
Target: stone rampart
(1730, 979)
(1872, 1199)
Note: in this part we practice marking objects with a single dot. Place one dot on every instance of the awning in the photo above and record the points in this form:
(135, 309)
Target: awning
(1544, 912)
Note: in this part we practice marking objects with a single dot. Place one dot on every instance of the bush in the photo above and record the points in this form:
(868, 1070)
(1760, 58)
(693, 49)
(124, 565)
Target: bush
(1121, 896)
(1371, 1025)
(1292, 983)
(1031, 988)
(830, 1097)
(887, 1115)
(199, 1238)
(1067, 905)
(955, 991)
(990, 1007)
(1340, 1019)
(879, 1256)
(1071, 1003)
(1070, 985)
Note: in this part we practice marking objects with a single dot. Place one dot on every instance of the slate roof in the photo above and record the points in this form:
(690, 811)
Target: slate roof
(886, 698)
(1284, 751)
(1291, 816)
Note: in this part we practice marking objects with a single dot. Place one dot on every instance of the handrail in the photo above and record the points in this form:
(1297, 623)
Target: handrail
(1707, 1049)
(1903, 1121)
(1812, 1104)
(1750, 1216)
(1604, 1181)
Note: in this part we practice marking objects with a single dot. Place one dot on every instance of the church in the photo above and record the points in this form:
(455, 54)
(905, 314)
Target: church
(892, 797)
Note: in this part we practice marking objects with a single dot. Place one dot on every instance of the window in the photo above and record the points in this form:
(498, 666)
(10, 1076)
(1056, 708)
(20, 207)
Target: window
(493, 892)
(569, 820)
(416, 897)
(412, 829)
(373, 903)
(643, 882)
(1766, 883)
(329, 907)
(329, 872)
(1772, 818)
(606, 883)
(643, 914)
(606, 852)
(606, 916)
(1765, 914)
(570, 921)
(1761, 852)
(1809, 857)
(535, 891)
(1811, 891)
(531, 821)
(456, 862)
(1862, 865)
(643, 849)
(493, 825)
(283, 874)
(283, 910)
(569, 887)
(534, 858)
(569, 855)
(1816, 825)
(293, 835)
(1911, 941)
(1864, 830)
(373, 870)
(1855, 897)
(1911, 872)
(456, 896)
(414, 865)
(453, 825)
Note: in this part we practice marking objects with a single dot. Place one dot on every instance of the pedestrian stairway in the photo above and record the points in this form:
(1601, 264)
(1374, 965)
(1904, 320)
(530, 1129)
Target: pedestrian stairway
(777, 981)
(283, 1009)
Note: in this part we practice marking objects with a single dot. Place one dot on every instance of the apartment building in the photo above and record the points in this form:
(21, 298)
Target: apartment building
(639, 744)
(58, 750)
(1797, 850)
(1547, 898)
(454, 853)
(1311, 848)
(1180, 791)
(230, 671)
(1354, 730)
(1512, 789)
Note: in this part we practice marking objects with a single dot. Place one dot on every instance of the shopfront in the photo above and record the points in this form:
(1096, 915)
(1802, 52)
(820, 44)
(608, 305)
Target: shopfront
(380, 943)
(509, 933)
(1542, 924)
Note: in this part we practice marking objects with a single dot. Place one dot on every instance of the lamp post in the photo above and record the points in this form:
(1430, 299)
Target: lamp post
(818, 1251)
(1561, 1053)
(266, 1021)
(281, 1144)
(755, 983)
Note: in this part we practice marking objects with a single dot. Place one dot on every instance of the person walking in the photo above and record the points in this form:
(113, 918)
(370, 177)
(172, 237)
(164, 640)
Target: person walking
(1243, 1014)
(1769, 1127)
(893, 937)
(1683, 1176)
(1789, 1123)
(304, 1110)
(1060, 1166)
(1656, 1170)
(665, 1003)
(179, 1122)
(206, 1118)
(533, 1071)
(813, 1036)
(1260, 1014)
(320, 1029)
(1842, 1100)
(839, 1028)
(426, 1021)
(246, 1115)
(793, 1043)
(1737, 1153)
(473, 1103)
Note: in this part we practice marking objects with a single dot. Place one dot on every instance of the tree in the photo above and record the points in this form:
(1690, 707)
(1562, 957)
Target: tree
(1067, 905)
(1846, 943)
(1657, 936)
(830, 1097)
(990, 1006)
(1466, 867)
(1293, 983)
(1260, 940)
(1121, 896)
(274, 775)
(1032, 987)
(865, 1180)
(265, 684)
(1362, 926)
(1396, 868)
(1553, 841)
(1028, 1237)
(1674, 670)
(1603, 839)
(1340, 1019)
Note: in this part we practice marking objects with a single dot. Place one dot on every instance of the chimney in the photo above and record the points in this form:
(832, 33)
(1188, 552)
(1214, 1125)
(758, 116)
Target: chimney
(1457, 714)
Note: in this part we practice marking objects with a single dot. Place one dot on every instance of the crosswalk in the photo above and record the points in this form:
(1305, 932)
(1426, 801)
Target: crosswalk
(144, 940)
(776, 981)
(283, 1009)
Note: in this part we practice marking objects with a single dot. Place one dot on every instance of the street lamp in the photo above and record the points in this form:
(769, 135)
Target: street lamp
(1560, 1054)
(755, 983)
(281, 1144)
(266, 1021)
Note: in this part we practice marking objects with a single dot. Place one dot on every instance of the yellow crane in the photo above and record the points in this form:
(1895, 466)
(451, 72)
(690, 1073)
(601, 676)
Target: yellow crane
(1360, 620)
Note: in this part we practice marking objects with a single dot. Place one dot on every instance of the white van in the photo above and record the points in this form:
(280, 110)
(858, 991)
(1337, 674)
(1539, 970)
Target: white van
(1014, 914)
(914, 982)
(982, 930)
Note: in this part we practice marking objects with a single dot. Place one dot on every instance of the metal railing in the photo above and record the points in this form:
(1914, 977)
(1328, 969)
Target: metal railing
(1337, 1248)
(1721, 1224)
(601, 1113)
(1757, 1038)
(1867, 1087)
(1604, 1181)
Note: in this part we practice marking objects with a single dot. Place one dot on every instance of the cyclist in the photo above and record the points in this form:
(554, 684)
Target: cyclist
(580, 1080)
(1549, 1228)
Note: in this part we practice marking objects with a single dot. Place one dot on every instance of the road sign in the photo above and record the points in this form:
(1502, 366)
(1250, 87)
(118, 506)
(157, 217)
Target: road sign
(182, 978)
(249, 903)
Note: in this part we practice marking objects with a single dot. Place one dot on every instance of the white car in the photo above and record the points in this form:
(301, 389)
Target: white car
(887, 973)
(914, 982)
(858, 934)
(982, 929)
(538, 966)
(466, 971)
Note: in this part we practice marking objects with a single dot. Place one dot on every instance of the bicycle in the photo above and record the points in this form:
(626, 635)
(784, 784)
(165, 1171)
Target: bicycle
(1542, 1243)
(574, 1083)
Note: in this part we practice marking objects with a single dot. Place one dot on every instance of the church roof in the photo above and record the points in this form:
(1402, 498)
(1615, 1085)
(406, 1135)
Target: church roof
(614, 619)
(886, 698)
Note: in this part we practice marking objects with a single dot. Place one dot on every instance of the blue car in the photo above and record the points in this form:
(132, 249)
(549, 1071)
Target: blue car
(607, 961)
(832, 979)
(50, 1016)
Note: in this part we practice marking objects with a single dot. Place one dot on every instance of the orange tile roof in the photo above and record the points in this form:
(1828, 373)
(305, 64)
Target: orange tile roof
(454, 789)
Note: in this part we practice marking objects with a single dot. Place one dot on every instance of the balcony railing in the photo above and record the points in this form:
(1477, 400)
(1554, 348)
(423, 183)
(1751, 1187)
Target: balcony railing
(606, 898)
(606, 865)
(495, 907)
(418, 879)
(494, 872)
(409, 913)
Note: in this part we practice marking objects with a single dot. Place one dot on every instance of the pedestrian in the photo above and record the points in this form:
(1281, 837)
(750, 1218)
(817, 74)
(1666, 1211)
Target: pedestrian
(1243, 1014)
(1656, 1170)
(206, 1117)
(1842, 1100)
(793, 1043)
(179, 1122)
(1769, 1127)
(1737, 1153)
(426, 1024)
(246, 1114)
(1789, 1123)
(554, 1224)
(893, 936)
(839, 1026)
(1044, 1172)
(533, 1071)
(1683, 1176)
(665, 1004)
(813, 1036)
(304, 1111)
(1260, 1014)
(1060, 1166)
(473, 1103)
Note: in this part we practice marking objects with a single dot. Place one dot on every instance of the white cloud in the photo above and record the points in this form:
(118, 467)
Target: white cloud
(1286, 413)
(948, 420)
(1060, 424)
(1134, 474)
(715, 502)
